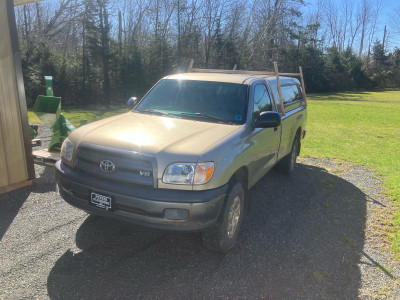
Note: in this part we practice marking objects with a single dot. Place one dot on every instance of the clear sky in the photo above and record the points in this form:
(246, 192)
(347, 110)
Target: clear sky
(384, 18)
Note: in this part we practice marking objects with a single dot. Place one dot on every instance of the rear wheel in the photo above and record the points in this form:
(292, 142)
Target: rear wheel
(223, 235)
(287, 164)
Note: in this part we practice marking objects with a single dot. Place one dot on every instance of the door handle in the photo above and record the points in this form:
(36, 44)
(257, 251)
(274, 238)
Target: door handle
(275, 128)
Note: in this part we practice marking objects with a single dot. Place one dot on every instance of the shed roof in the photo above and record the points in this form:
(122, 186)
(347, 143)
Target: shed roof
(21, 2)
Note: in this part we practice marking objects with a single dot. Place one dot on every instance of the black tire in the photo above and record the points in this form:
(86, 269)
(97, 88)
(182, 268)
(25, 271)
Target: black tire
(223, 235)
(287, 164)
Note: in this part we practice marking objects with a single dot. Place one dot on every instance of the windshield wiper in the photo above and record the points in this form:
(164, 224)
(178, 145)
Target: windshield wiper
(206, 117)
(153, 111)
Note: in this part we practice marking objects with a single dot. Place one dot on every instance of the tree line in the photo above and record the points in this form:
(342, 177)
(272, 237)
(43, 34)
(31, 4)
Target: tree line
(105, 51)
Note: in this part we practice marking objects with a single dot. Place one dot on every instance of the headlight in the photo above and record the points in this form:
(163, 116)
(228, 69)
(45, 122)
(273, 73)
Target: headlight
(67, 149)
(204, 172)
(188, 173)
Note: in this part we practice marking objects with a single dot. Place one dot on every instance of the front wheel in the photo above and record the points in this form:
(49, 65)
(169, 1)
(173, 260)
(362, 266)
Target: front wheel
(223, 235)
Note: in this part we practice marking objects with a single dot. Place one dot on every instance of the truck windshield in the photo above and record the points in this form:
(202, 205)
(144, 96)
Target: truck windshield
(201, 100)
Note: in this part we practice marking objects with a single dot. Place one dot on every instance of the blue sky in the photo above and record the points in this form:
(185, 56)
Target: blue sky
(384, 18)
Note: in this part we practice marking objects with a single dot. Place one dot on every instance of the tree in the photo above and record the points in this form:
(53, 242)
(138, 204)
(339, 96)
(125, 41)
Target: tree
(395, 20)
(104, 51)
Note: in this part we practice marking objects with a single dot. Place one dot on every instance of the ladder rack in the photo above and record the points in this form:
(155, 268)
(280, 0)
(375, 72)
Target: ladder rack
(257, 73)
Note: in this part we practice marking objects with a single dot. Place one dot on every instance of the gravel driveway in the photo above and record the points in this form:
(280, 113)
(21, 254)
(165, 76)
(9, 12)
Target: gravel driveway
(313, 235)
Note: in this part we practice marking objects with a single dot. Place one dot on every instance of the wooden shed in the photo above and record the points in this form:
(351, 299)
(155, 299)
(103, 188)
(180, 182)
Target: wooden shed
(16, 161)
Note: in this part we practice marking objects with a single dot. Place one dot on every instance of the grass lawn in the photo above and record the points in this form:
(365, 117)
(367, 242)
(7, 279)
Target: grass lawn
(91, 114)
(361, 127)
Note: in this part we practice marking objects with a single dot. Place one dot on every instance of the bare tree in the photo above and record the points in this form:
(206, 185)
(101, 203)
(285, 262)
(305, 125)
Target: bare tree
(332, 19)
(314, 21)
(135, 23)
(345, 22)
(274, 20)
(374, 19)
(364, 17)
(395, 23)
(355, 25)
(212, 13)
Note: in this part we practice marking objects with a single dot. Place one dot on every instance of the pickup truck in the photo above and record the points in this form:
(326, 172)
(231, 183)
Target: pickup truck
(186, 155)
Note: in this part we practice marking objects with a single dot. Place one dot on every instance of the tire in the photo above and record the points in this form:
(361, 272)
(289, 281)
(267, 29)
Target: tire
(223, 235)
(287, 164)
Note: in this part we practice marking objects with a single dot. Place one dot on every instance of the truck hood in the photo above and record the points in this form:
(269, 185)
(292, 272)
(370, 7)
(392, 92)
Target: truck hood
(153, 134)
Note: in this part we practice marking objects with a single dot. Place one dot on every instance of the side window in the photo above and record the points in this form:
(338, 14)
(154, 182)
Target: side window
(291, 93)
(262, 101)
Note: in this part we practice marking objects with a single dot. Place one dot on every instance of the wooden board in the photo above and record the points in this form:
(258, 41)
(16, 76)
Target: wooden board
(279, 87)
(302, 85)
(14, 163)
(45, 157)
(22, 2)
(14, 186)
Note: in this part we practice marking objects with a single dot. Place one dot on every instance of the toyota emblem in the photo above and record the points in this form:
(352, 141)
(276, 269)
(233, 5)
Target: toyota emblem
(107, 166)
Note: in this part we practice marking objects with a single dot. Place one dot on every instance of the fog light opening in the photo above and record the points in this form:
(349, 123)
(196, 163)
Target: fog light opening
(176, 213)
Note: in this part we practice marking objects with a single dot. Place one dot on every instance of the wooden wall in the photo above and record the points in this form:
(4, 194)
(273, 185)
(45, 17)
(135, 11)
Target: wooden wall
(16, 164)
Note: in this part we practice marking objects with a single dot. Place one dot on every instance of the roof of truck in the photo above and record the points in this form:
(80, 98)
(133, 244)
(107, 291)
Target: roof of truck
(216, 77)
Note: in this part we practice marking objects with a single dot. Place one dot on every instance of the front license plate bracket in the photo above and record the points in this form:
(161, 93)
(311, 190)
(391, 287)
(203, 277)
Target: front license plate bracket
(101, 201)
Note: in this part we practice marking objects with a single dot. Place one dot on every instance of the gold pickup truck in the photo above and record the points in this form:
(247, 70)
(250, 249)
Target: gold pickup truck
(186, 155)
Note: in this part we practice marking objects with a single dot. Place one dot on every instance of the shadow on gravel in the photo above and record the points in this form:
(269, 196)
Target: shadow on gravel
(11, 202)
(302, 240)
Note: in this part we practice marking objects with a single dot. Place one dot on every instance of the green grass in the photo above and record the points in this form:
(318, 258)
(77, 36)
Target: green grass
(33, 119)
(91, 114)
(361, 127)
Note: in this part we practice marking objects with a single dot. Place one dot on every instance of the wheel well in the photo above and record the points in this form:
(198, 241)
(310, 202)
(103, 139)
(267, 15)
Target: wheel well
(298, 135)
(242, 176)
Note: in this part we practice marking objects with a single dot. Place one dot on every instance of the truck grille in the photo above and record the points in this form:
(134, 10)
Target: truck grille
(130, 167)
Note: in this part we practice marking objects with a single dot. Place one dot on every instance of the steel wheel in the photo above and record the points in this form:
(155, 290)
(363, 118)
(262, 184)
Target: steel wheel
(293, 157)
(287, 164)
(222, 236)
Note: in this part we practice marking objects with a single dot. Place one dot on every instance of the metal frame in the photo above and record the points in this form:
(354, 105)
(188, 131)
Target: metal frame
(258, 73)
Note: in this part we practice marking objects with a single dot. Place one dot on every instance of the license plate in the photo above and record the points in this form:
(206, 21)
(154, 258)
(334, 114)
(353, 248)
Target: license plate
(101, 201)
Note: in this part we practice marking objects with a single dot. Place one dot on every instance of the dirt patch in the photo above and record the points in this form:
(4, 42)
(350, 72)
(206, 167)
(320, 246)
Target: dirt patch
(318, 234)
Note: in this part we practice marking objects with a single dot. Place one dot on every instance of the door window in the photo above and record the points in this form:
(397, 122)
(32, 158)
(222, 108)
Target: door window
(262, 101)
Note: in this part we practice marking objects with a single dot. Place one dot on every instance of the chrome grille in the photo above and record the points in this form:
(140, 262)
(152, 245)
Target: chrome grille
(130, 166)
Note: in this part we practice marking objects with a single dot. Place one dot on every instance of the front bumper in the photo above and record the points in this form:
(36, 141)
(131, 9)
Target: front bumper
(139, 204)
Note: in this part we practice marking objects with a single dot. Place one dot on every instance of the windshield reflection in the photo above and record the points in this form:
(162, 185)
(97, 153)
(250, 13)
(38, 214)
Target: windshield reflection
(201, 100)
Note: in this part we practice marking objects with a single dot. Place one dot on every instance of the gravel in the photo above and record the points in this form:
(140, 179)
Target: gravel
(318, 234)
(44, 134)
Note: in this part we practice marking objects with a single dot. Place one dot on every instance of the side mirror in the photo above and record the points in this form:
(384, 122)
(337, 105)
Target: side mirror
(268, 119)
(131, 103)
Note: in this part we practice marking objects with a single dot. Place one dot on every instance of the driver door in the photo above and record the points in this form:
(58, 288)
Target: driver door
(265, 141)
